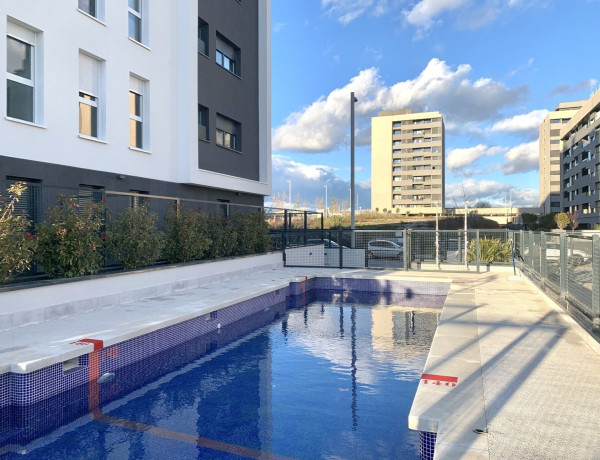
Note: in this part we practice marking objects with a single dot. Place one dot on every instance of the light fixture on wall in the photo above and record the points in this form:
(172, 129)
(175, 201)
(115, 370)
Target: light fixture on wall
(121, 176)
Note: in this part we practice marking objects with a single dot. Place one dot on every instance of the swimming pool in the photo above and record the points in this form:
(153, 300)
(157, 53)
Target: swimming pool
(334, 379)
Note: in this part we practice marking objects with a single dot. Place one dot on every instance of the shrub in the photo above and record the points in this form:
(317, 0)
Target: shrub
(133, 239)
(222, 237)
(17, 245)
(490, 250)
(185, 236)
(251, 232)
(562, 220)
(69, 240)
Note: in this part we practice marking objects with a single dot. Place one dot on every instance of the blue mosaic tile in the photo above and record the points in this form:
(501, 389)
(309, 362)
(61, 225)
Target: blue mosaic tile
(427, 444)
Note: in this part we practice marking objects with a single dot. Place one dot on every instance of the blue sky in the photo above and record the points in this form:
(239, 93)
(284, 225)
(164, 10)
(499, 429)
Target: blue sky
(494, 68)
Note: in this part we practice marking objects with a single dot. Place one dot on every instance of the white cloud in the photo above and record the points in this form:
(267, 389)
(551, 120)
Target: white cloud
(489, 190)
(345, 11)
(309, 180)
(459, 158)
(527, 124)
(323, 125)
(522, 158)
(424, 12)
(278, 27)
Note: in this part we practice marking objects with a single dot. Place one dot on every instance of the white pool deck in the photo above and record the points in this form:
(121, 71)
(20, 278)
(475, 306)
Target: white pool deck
(526, 374)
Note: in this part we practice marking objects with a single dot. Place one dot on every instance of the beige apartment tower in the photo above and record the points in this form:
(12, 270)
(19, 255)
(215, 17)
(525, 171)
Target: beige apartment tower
(550, 155)
(407, 162)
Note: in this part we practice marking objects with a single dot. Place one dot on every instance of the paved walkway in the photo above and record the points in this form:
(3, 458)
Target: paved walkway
(528, 377)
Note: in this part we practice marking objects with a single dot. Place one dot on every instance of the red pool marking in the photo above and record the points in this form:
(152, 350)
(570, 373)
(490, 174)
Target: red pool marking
(98, 344)
(438, 379)
(458, 282)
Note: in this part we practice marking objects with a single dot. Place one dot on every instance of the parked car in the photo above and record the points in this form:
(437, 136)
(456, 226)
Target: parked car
(574, 256)
(384, 248)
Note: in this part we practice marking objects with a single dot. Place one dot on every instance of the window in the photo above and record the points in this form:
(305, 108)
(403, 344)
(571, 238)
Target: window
(94, 8)
(89, 194)
(88, 96)
(227, 55)
(202, 37)
(202, 122)
(136, 112)
(228, 133)
(29, 202)
(137, 200)
(21, 74)
(135, 20)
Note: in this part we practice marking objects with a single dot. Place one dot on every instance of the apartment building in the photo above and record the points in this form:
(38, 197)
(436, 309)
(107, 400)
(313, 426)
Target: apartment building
(550, 149)
(407, 162)
(163, 98)
(581, 163)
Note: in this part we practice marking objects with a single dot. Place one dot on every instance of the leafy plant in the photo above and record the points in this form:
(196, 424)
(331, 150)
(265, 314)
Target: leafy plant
(490, 250)
(562, 220)
(251, 231)
(17, 245)
(186, 239)
(69, 240)
(530, 220)
(134, 239)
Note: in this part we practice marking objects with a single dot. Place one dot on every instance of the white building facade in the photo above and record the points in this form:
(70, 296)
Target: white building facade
(105, 93)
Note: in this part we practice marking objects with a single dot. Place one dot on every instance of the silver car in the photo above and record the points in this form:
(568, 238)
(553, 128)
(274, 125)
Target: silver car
(384, 249)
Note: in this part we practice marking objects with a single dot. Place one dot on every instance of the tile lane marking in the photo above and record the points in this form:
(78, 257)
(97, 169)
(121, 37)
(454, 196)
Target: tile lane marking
(190, 439)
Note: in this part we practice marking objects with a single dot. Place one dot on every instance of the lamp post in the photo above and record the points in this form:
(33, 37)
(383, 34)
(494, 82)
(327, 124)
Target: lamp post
(325, 200)
(352, 101)
(437, 240)
(290, 193)
(466, 243)
(510, 194)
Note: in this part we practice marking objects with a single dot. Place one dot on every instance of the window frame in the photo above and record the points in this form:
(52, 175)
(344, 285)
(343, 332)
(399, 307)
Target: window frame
(93, 104)
(95, 90)
(140, 86)
(139, 15)
(205, 114)
(230, 140)
(31, 38)
(203, 33)
(230, 63)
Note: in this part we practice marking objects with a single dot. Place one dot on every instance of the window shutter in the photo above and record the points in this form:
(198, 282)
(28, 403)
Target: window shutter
(225, 48)
(224, 124)
(21, 33)
(136, 85)
(88, 75)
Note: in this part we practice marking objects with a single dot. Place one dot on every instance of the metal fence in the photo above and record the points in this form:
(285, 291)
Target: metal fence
(404, 249)
(565, 266)
(38, 199)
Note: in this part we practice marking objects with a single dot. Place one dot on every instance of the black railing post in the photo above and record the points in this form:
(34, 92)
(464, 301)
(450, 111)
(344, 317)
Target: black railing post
(305, 226)
(340, 234)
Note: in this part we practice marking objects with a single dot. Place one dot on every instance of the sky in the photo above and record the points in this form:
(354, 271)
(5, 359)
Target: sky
(493, 68)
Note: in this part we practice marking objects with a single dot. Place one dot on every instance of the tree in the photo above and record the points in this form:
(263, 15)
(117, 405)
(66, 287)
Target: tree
(319, 202)
(482, 204)
(547, 221)
(334, 204)
(530, 220)
(562, 220)
(574, 222)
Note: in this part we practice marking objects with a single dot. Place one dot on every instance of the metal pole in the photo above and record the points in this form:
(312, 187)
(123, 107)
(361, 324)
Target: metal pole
(325, 200)
(352, 101)
(466, 243)
(437, 238)
(290, 191)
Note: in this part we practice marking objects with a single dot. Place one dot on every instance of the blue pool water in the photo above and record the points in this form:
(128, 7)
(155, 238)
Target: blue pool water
(330, 380)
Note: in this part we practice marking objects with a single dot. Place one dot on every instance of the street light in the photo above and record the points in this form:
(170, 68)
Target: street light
(290, 193)
(325, 199)
(437, 241)
(352, 101)
(466, 246)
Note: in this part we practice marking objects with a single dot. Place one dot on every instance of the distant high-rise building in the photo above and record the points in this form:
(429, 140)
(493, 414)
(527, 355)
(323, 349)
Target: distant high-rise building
(580, 158)
(550, 151)
(407, 162)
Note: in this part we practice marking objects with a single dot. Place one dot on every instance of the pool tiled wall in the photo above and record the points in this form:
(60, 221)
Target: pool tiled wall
(427, 444)
(26, 389)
